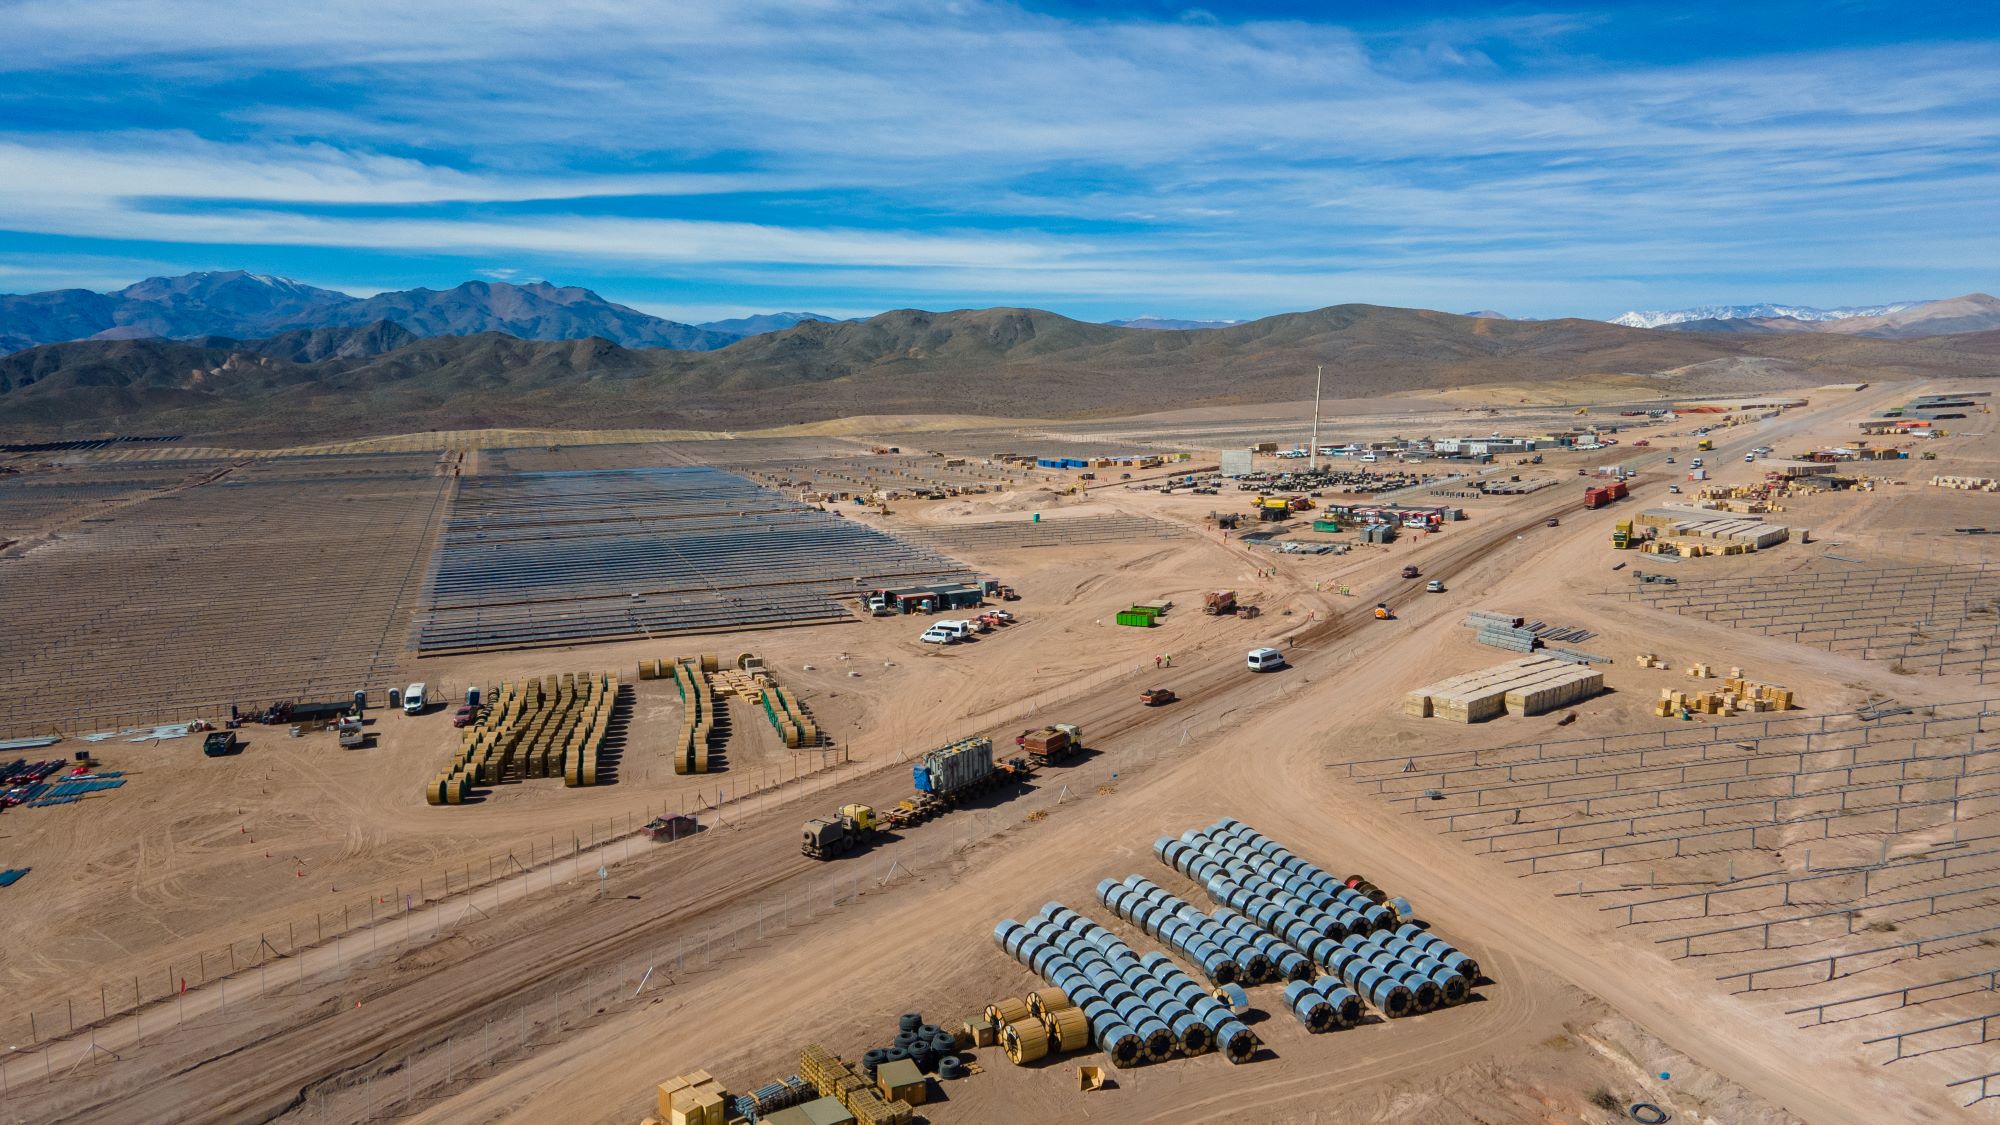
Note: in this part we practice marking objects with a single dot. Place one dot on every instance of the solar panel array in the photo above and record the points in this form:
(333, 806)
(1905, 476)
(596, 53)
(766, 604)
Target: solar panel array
(561, 557)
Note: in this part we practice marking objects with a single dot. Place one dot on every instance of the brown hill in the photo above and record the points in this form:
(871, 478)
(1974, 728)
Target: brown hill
(1015, 362)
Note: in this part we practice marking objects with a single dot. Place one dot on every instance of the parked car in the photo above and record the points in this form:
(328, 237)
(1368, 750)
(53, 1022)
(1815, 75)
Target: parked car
(946, 632)
(465, 716)
(1266, 660)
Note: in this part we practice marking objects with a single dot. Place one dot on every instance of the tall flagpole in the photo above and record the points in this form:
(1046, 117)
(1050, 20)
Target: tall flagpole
(1312, 465)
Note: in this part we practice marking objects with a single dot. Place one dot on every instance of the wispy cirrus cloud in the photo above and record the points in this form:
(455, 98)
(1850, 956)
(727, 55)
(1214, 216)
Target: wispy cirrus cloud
(854, 155)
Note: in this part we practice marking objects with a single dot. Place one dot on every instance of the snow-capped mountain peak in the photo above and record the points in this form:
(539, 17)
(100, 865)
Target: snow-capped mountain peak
(1658, 319)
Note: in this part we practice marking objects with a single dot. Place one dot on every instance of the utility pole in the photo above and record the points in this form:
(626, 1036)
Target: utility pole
(1312, 454)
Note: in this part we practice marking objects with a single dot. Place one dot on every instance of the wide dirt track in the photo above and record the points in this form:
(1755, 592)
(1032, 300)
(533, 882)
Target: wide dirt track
(434, 1027)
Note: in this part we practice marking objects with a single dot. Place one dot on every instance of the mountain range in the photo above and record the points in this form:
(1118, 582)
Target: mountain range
(1974, 312)
(244, 305)
(1002, 362)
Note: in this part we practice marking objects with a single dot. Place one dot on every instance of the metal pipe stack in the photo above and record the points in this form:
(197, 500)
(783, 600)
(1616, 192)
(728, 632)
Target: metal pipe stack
(1140, 1009)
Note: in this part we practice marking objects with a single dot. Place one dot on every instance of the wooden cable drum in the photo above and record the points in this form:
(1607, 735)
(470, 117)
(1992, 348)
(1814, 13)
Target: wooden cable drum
(743, 659)
(1043, 1001)
(711, 662)
(590, 770)
(454, 791)
(648, 669)
(434, 792)
(1069, 1030)
(1008, 1010)
(1026, 1041)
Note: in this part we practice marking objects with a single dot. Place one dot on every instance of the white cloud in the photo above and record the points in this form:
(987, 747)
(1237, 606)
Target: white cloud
(970, 143)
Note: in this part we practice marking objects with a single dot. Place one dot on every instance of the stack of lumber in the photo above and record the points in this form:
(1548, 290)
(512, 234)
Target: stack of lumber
(1702, 523)
(1529, 686)
(1968, 484)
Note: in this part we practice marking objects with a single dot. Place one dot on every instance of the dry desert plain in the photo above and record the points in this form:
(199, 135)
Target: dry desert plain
(307, 939)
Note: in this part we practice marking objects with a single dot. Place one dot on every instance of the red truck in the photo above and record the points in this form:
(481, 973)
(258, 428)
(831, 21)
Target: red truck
(1604, 494)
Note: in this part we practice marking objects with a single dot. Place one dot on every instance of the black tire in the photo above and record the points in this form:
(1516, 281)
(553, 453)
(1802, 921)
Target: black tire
(910, 1021)
(1646, 1113)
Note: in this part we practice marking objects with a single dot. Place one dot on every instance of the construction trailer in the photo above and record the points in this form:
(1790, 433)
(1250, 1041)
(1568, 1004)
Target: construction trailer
(928, 598)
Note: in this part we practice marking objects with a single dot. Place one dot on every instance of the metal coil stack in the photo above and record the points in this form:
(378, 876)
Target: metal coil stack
(1349, 927)
(1196, 937)
(1139, 1009)
(1251, 874)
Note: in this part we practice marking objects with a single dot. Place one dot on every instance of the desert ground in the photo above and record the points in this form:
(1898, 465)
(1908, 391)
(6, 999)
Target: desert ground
(293, 933)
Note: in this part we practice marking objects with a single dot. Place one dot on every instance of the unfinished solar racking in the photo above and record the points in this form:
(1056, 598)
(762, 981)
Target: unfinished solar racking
(561, 557)
(290, 578)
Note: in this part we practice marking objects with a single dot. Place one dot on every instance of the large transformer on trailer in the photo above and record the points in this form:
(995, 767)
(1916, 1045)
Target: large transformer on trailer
(942, 777)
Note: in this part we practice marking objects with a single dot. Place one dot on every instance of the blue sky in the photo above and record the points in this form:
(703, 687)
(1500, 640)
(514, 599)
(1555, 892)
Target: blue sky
(1104, 160)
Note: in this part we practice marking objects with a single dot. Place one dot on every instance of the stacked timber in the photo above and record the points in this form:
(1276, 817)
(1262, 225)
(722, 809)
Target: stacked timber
(1529, 686)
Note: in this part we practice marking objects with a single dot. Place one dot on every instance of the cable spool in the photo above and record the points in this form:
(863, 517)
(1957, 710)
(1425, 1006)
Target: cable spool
(711, 662)
(1025, 1042)
(1009, 1011)
(1042, 1002)
(1069, 1030)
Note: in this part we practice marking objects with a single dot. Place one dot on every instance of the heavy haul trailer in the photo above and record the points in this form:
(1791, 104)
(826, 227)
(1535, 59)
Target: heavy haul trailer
(943, 778)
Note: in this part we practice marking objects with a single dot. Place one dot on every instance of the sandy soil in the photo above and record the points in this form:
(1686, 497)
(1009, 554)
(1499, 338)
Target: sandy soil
(543, 1011)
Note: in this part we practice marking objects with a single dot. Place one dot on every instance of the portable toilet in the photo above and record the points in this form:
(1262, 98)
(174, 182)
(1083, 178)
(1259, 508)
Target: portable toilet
(472, 697)
(395, 699)
(360, 701)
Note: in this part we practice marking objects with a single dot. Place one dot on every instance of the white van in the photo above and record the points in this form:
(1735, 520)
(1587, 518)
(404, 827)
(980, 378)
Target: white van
(946, 632)
(1266, 660)
(1370, 457)
(413, 699)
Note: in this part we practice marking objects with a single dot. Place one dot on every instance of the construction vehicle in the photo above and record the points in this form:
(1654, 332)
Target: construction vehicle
(1156, 697)
(353, 738)
(855, 826)
(1705, 443)
(1219, 602)
(1582, 410)
(1382, 612)
(675, 826)
(1604, 494)
(220, 743)
(1621, 534)
(1051, 743)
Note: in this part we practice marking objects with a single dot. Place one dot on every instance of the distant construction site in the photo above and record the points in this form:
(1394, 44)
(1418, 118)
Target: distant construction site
(1602, 761)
